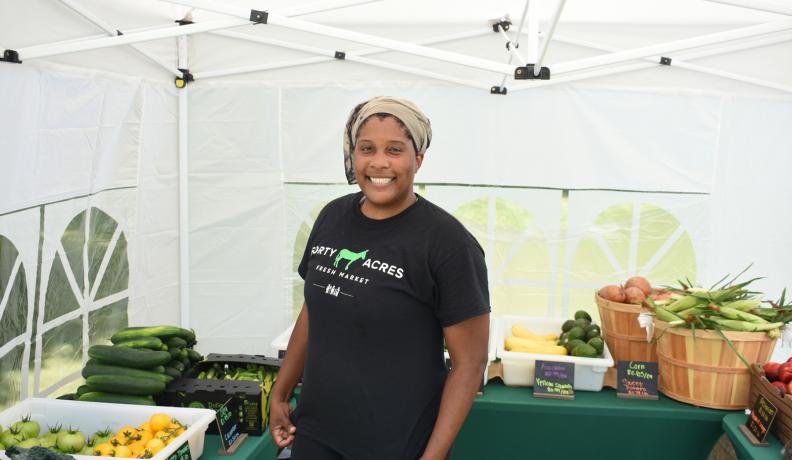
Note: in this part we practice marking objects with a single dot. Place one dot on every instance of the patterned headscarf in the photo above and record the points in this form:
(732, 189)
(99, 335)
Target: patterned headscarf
(408, 113)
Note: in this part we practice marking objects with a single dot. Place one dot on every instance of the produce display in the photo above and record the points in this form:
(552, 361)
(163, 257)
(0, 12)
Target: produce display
(728, 307)
(139, 365)
(578, 337)
(145, 441)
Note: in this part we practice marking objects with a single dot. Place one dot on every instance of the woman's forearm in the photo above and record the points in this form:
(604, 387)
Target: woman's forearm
(460, 389)
(293, 363)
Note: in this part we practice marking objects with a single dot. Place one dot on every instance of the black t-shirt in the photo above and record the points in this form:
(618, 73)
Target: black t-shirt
(379, 293)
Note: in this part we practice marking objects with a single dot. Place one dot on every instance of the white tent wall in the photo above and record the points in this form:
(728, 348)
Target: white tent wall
(79, 149)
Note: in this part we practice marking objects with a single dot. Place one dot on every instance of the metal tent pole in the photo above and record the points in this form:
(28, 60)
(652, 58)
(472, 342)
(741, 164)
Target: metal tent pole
(647, 65)
(770, 7)
(670, 47)
(184, 190)
(395, 45)
(546, 43)
(676, 62)
(114, 32)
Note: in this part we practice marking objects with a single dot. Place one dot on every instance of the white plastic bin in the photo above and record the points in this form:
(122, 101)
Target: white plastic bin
(89, 417)
(518, 367)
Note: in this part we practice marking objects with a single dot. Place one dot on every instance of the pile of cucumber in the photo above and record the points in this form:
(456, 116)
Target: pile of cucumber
(139, 364)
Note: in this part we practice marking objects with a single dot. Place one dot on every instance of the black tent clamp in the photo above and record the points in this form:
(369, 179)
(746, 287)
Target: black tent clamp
(183, 22)
(498, 90)
(11, 56)
(119, 33)
(665, 60)
(340, 55)
(186, 77)
(502, 24)
(259, 17)
(527, 73)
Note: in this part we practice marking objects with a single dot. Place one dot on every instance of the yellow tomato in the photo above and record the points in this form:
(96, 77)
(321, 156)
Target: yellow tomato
(137, 448)
(180, 431)
(159, 422)
(162, 435)
(155, 445)
(123, 452)
(104, 450)
(126, 435)
(145, 427)
(145, 436)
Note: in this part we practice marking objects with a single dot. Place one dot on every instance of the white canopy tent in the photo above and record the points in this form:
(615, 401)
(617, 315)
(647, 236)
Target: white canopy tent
(163, 172)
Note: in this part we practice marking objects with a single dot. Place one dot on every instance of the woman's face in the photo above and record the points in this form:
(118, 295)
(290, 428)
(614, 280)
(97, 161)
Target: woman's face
(385, 165)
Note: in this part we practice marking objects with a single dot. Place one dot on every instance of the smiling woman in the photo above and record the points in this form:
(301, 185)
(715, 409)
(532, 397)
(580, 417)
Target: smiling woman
(389, 277)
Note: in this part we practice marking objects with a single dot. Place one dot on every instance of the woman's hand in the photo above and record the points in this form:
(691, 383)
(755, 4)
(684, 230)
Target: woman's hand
(280, 424)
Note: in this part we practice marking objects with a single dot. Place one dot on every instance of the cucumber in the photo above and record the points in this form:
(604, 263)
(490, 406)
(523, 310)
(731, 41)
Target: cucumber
(156, 331)
(174, 353)
(152, 343)
(129, 357)
(172, 372)
(93, 361)
(82, 389)
(106, 369)
(178, 365)
(126, 385)
(175, 342)
(68, 396)
(194, 355)
(100, 396)
(157, 369)
(185, 362)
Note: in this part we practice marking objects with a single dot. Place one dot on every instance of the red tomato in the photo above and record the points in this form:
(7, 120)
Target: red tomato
(771, 371)
(781, 388)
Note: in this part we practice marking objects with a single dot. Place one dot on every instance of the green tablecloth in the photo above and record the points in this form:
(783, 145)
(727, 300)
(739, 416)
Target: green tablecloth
(255, 447)
(508, 423)
(744, 449)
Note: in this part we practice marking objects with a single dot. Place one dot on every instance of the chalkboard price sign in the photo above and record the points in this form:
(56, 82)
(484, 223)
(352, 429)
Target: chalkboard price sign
(758, 423)
(637, 379)
(554, 380)
(182, 453)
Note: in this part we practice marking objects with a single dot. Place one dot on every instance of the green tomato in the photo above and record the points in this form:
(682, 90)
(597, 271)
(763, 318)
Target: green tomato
(2, 447)
(28, 427)
(48, 441)
(70, 441)
(11, 438)
(28, 443)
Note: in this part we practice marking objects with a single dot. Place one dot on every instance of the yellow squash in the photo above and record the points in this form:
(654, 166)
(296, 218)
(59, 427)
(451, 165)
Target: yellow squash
(518, 330)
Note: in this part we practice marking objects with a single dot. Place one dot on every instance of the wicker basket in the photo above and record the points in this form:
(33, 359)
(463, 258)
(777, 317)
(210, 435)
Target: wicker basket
(626, 339)
(705, 371)
(782, 425)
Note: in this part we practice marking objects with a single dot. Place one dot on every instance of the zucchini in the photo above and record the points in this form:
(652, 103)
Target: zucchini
(68, 396)
(100, 396)
(126, 385)
(129, 357)
(194, 355)
(156, 331)
(178, 365)
(172, 372)
(106, 369)
(176, 342)
(152, 343)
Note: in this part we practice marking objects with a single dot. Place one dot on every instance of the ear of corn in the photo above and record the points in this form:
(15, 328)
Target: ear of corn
(733, 313)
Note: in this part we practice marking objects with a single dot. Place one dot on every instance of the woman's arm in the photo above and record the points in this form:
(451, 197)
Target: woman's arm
(467, 345)
(291, 370)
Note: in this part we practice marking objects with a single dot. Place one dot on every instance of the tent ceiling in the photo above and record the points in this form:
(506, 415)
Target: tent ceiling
(585, 30)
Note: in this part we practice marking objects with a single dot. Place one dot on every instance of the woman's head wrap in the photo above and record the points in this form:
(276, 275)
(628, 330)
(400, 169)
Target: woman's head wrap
(409, 114)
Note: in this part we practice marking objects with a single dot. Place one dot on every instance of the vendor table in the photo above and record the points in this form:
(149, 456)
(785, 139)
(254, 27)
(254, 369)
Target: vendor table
(255, 447)
(508, 422)
(744, 449)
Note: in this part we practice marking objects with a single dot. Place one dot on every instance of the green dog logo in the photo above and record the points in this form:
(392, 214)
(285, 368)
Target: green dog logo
(346, 254)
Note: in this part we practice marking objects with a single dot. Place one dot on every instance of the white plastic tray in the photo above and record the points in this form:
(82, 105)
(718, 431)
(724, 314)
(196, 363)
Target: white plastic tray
(92, 416)
(518, 367)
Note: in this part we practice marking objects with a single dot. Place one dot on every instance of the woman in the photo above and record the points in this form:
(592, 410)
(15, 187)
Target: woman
(388, 276)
